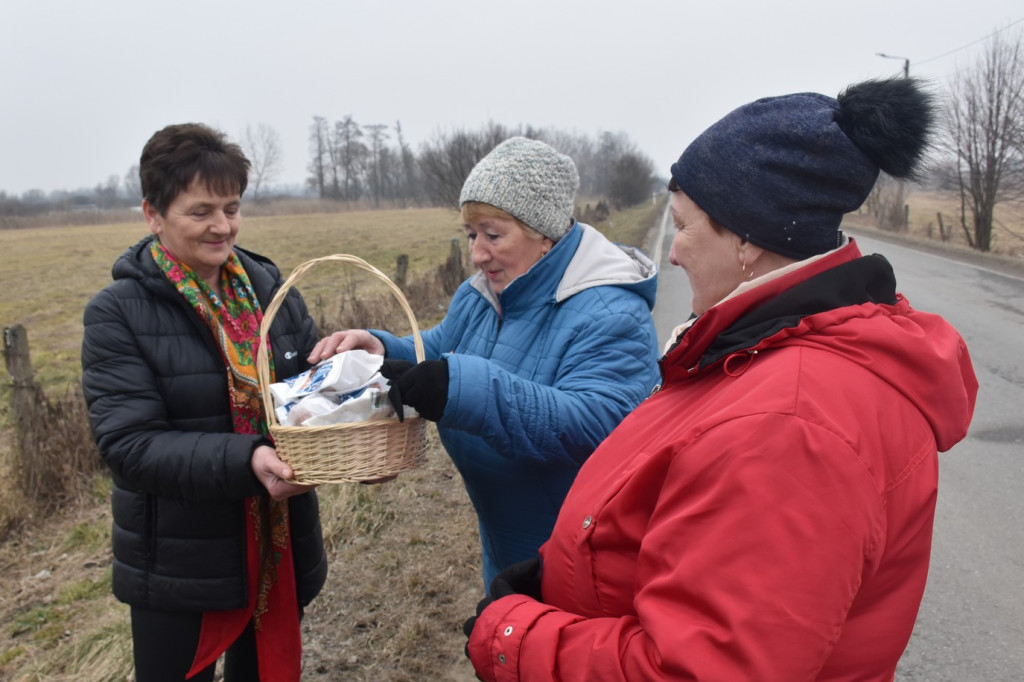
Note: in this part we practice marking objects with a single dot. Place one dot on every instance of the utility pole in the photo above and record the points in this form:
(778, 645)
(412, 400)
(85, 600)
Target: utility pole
(906, 62)
(890, 217)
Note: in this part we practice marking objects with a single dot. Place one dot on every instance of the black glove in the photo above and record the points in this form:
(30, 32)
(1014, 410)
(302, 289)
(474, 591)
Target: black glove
(520, 578)
(392, 369)
(423, 387)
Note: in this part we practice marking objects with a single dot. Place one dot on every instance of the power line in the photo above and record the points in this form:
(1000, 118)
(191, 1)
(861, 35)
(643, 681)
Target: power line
(964, 47)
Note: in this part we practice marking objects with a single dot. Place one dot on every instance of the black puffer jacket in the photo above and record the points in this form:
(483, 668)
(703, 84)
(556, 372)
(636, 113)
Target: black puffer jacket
(155, 383)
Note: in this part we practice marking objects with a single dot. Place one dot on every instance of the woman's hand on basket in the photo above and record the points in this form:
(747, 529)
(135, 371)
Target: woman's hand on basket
(339, 342)
(274, 474)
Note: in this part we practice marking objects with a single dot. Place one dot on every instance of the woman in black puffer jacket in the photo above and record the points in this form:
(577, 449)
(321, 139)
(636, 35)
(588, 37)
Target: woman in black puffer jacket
(203, 511)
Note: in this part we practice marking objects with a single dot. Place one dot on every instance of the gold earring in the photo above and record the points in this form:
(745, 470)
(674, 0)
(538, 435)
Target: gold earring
(743, 269)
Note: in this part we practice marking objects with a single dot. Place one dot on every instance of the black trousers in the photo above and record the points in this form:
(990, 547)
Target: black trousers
(164, 645)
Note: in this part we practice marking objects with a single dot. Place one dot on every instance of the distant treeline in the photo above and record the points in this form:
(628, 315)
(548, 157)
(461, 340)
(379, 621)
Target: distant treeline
(104, 197)
(374, 165)
(349, 161)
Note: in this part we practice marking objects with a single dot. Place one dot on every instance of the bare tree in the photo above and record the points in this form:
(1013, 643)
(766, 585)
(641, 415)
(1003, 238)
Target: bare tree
(446, 160)
(263, 147)
(319, 143)
(887, 203)
(133, 185)
(105, 195)
(334, 170)
(406, 181)
(349, 154)
(985, 124)
(631, 180)
(377, 173)
(610, 148)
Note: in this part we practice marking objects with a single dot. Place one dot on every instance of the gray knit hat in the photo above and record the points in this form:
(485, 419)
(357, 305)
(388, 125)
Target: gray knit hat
(528, 180)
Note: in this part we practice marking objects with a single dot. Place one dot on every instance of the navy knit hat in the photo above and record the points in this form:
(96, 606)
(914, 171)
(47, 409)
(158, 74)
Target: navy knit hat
(781, 171)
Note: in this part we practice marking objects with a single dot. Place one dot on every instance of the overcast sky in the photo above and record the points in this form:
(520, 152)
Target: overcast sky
(84, 84)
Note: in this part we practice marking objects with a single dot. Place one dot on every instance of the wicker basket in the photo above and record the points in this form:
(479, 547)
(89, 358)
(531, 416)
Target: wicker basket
(356, 451)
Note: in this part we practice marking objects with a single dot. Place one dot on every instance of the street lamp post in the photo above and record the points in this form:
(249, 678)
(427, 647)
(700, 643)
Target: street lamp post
(906, 62)
(897, 195)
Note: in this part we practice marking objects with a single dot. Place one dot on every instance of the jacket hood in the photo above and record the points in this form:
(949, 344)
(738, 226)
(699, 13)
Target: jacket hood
(919, 354)
(844, 304)
(131, 262)
(600, 262)
(584, 258)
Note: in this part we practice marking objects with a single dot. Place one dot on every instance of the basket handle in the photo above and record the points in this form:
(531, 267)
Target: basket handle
(262, 359)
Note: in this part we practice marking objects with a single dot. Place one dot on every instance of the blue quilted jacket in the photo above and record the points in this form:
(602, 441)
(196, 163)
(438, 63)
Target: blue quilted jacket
(538, 376)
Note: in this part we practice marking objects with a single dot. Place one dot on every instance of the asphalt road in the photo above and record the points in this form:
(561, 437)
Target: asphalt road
(971, 623)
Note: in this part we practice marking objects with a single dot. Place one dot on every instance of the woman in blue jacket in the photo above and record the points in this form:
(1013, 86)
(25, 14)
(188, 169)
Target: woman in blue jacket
(542, 352)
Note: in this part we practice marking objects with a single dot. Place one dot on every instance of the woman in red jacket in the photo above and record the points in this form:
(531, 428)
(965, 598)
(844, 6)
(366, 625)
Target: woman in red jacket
(766, 515)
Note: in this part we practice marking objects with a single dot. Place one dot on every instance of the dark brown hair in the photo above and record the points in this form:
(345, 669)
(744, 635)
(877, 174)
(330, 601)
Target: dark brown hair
(180, 154)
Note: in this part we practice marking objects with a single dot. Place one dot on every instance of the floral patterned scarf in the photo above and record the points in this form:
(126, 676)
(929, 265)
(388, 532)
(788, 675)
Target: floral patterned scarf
(234, 320)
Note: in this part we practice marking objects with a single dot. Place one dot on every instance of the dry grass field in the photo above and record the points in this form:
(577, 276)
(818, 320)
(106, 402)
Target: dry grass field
(404, 555)
(1007, 231)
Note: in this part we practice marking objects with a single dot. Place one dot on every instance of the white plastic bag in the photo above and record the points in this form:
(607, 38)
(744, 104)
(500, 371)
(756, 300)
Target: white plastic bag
(343, 373)
(363, 405)
(345, 388)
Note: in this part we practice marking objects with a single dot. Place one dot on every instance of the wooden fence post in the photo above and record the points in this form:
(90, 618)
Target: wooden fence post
(26, 400)
(943, 234)
(452, 272)
(16, 356)
(401, 270)
(53, 444)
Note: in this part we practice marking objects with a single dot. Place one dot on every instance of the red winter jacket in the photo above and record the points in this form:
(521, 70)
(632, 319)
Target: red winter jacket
(768, 514)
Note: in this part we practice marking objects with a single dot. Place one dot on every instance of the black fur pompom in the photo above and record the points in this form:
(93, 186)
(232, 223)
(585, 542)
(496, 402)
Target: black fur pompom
(890, 121)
